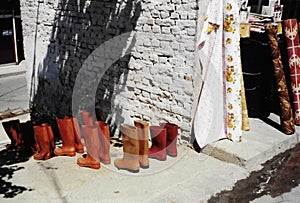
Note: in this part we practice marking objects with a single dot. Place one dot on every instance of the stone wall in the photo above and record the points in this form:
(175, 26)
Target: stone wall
(153, 81)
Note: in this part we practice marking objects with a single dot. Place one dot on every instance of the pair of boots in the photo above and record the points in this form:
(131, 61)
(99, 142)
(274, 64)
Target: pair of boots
(164, 141)
(20, 134)
(70, 134)
(44, 139)
(135, 147)
(97, 142)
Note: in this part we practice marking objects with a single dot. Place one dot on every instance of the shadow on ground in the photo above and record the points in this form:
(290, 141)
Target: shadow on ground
(8, 167)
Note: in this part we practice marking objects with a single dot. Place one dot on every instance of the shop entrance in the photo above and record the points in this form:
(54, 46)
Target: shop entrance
(7, 50)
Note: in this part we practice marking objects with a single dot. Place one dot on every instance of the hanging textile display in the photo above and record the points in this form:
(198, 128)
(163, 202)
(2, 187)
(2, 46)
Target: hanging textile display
(286, 117)
(232, 65)
(209, 120)
(293, 51)
(245, 118)
(219, 110)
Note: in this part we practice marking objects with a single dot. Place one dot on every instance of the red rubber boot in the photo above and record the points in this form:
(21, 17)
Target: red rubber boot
(159, 143)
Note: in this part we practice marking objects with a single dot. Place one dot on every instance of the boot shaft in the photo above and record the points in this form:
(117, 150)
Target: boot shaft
(42, 137)
(66, 130)
(172, 133)
(158, 136)
(130, 140)
(143, 135)
(86, 118)
(92, 141)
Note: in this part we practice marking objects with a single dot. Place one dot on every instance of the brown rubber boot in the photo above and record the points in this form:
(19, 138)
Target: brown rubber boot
(142, 129)
(104, 137)
(26, 129)
(93, 148)
(76, 129)
(65, 127)
(13, 132)
(43, 142)
(99, 115)
(130, 160)
(51, 137)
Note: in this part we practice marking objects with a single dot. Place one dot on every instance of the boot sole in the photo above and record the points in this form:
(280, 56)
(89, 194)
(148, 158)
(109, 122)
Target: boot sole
(80, 151)
(94, 166)
(144, 166)
(172, 155)
(130, 170)
(105, 162)
(158, 158)
(66, 154)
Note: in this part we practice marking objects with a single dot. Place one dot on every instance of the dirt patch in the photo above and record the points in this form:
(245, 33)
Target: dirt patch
(278, 175)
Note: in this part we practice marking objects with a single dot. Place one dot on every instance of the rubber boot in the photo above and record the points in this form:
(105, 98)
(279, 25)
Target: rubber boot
(26, 129)
(159, 143)
(99, 115)
(43, 142)
(104, 137)
(130, 160)
(51, 137)
(78, 144)
(142, 130)
(12, 130)
(65, 127)
(172, 132)
(86, 118)
(93, 148)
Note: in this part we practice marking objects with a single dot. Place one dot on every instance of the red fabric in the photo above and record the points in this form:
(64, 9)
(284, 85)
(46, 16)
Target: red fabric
(293, 49)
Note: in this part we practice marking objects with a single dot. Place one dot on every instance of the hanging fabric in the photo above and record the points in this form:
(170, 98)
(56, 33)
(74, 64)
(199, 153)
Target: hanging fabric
(219, 110)
(209, 120)
(245, 118)
(232, 66)
(286, 117)
(293, 51)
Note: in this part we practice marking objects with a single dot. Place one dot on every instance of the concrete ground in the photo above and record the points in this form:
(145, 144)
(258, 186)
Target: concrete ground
(13, 89)
(190, 177)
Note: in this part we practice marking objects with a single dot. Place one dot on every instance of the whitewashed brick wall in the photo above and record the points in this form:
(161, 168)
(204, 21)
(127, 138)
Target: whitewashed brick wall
(155, 83)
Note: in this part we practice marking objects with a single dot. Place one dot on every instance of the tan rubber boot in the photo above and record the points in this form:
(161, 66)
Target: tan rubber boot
(104, 137)
(65, 127)
(130, 160)
(93, 148)
(143, 134)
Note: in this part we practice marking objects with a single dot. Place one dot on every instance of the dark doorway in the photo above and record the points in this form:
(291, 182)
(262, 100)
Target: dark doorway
(7, 50)
(11, 35)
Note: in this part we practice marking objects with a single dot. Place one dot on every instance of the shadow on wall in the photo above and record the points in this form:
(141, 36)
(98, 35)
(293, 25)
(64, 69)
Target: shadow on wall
(79, 28)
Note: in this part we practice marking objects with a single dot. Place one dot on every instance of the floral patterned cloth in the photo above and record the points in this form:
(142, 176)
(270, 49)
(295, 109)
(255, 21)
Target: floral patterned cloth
(232, 64)
(219, 111)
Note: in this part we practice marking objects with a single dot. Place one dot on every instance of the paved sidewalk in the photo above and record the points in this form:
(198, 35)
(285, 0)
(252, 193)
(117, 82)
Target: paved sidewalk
(191, 177)
(14, 95)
